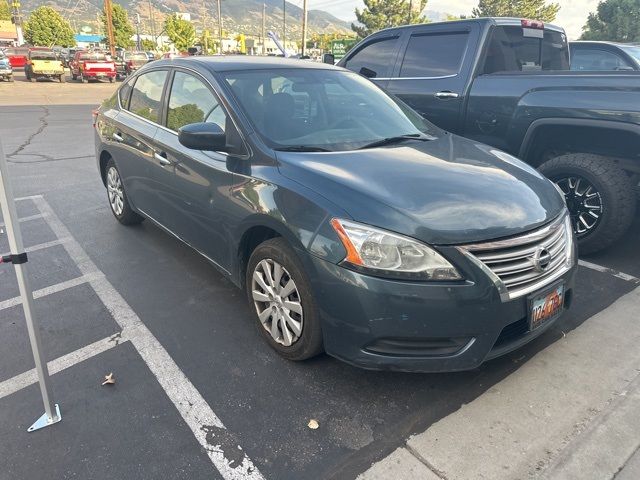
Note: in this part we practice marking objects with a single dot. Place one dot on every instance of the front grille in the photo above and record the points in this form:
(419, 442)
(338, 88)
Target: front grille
(523, 264)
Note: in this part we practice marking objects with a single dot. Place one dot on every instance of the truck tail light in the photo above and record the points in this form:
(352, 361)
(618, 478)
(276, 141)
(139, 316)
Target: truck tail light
(537, 24)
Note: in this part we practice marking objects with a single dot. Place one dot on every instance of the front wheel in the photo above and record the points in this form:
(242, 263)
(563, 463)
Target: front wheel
(118, 200)
(600, 197)
(285, 308)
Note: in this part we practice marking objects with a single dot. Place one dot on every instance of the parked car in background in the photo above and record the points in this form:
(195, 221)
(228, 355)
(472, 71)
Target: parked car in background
(150, 56)
(128, 62)
(505, 82)
(69, 56)
(602, 56)
(354, 225)
(6, 71)
(43, 63)
(17, 56)
(88, 65)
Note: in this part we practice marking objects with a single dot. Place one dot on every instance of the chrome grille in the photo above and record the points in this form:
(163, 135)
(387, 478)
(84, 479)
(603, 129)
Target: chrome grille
(526, 263)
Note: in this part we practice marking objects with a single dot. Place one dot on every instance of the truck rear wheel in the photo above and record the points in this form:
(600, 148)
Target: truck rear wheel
(62, 78)
(599, 194)
(74, 76)
(84, 79)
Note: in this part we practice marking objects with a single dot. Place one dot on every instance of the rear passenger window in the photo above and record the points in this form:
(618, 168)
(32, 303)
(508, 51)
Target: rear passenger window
(146, 96)
(191, 101)
(374, 60)
(125, 94)
(434, 55)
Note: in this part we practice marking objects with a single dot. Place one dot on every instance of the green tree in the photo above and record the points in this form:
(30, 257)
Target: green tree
(181, 32)
(533, 9)
(5, 11)
(148, 45)
(184, 115)
(614, 20)
(452, 18)
(122, 28)
(379, 14)
(46, 27)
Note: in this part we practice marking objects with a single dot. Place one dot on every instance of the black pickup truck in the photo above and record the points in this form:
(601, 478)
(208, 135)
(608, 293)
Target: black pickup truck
(506, 82)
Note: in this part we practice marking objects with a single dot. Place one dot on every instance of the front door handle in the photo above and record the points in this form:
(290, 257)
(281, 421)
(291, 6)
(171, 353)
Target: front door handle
(447, 94)
(117, 137)
(162, 159)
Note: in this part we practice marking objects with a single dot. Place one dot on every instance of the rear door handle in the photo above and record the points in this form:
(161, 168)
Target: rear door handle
(117, 137)
(447, 94)
(162, 159)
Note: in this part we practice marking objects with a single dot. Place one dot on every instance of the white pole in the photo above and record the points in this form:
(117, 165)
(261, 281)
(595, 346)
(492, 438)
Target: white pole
(18, 258)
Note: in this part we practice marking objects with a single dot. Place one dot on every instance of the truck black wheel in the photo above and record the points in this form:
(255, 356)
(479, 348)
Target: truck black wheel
(84, 79)
(62, 78)
(11, 78)
(74, 76)
(600, 197)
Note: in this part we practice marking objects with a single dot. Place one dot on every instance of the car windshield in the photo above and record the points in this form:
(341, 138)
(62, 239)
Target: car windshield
(634, 51)
(36, 55)
(321, 109)
(93, 56)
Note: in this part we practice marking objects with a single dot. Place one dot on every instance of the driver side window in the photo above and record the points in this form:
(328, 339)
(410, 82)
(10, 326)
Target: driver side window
(191, 101)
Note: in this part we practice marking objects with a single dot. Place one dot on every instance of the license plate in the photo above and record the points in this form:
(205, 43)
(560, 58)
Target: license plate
(546, 306)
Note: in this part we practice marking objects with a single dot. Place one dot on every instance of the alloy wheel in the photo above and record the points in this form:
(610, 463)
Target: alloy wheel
(277, 301)
(115, 191)
(584, 203)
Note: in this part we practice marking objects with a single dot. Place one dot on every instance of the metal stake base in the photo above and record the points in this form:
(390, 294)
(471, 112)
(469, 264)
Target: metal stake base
(45, 421)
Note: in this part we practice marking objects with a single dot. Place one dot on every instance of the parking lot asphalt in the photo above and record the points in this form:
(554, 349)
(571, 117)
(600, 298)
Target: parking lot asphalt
(138, 428)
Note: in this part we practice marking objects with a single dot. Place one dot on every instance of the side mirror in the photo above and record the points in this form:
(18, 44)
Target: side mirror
(329, 58)
(203, 136)
(367, 72)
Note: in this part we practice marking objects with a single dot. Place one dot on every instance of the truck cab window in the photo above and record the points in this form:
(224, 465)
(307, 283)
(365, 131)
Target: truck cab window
(434, 55)
(375, 59)
(510, 50)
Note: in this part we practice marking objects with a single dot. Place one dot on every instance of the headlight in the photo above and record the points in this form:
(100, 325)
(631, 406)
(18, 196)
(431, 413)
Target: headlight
(384, 253)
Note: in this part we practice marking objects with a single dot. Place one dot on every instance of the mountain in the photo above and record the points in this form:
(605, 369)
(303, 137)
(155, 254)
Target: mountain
(238, 16)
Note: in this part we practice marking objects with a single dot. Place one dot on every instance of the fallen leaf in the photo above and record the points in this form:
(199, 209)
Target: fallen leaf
(109, 380)
(313, 424)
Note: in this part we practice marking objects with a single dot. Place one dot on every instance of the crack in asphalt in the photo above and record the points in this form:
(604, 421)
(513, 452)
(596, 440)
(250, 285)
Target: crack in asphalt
(43, 124)
(45, 158)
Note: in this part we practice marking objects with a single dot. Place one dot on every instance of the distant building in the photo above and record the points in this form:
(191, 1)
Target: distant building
(88, 41)
(8, 36)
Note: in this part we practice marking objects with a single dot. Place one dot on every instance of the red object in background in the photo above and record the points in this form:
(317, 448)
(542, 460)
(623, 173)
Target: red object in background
(17, 56)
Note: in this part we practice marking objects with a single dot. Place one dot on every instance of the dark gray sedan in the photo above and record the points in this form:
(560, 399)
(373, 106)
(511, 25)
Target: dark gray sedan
(355, 226)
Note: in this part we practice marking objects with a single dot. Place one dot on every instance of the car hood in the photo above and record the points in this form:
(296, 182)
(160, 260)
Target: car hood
(449, 190)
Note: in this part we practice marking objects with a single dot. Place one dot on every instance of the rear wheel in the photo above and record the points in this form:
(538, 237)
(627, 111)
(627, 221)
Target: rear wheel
(84, 79)
(599, 194)
(74, 76)
(62, 78)
(118, 200)
(112, 79)
(285, 309)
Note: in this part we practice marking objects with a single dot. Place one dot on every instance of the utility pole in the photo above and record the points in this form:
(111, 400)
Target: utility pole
(153, 24)
(304, 27)
(264, 19)
(220, 26)
(108, 10)
(284, 24)
(410, 8)
(16, 19)
(138, 43)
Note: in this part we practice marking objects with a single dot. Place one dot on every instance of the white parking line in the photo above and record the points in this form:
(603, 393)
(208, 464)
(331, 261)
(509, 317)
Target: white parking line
(193, 408)
(58, 287)
(26, 219)
(41, 246)
(30, 377)
(610, 271)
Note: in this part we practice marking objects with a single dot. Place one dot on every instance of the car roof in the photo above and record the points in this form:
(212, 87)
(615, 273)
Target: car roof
(506, 21)
(224, 63)
(599, 42)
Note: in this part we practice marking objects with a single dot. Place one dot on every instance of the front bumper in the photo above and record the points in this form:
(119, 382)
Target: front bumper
(386, 324)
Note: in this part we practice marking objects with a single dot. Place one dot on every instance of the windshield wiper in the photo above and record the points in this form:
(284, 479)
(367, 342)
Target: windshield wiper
(397, 139)
(302, 148)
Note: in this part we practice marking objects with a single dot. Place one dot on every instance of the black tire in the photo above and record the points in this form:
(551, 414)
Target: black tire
(111, 79)
(84, 79)
(74, 76)
(62, 78)
(127, 216)
(616, 196)
(11, 78)
(309, 343)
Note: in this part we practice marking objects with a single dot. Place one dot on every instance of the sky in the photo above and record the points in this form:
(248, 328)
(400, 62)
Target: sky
(572, 15)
